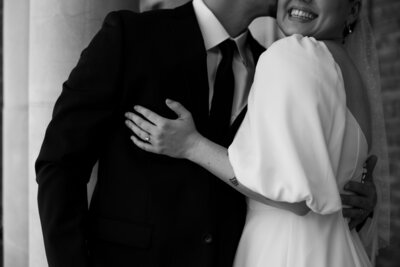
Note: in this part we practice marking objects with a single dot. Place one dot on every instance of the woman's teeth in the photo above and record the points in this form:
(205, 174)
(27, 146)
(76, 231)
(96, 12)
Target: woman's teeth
(301, 14)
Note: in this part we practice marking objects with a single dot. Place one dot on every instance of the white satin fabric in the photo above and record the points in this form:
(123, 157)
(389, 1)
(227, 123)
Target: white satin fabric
(298, 142)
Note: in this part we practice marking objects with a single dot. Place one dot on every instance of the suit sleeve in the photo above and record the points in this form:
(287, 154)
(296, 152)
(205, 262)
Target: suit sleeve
(81, 118)
(289, 144)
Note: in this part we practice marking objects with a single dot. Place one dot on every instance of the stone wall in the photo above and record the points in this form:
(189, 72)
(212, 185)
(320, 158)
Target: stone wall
(386, 24)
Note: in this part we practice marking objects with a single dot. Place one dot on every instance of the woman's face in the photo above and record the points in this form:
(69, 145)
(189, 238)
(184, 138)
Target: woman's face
(322, 19)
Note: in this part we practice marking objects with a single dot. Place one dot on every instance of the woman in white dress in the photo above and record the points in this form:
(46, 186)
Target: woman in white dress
(307, 132)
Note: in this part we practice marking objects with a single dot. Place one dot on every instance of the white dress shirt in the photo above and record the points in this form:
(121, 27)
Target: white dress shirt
(243, 64)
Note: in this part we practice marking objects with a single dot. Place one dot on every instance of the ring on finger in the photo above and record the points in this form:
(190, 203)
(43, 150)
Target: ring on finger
(147, 139)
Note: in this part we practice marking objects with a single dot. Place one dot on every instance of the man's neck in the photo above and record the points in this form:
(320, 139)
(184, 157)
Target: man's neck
(232, 16)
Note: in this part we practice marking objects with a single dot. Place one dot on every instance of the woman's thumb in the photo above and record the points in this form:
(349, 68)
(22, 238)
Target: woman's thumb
(180, 110)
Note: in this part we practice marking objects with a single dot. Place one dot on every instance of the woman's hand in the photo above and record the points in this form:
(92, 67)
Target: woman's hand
(153, 133)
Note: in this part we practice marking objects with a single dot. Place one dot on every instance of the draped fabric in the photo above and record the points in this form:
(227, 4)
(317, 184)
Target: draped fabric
(275, 134)
(298, 142)
(362, 49)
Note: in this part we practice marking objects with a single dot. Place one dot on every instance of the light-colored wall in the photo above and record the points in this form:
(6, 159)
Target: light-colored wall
(42, 43)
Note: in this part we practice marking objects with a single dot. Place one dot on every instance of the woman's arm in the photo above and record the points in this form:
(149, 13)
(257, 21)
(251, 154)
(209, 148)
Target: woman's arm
(180, 139)
(214, 158)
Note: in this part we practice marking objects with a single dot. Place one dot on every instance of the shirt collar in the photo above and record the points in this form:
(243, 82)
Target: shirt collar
(241, 42)
(213, 32)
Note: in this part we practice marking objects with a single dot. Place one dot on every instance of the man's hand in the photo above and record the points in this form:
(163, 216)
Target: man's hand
(364, 200)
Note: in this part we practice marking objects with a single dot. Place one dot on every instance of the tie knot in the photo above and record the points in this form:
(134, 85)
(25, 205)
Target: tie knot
(227, 47)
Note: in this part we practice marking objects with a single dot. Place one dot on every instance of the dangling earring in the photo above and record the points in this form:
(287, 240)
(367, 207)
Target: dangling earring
(349, 30)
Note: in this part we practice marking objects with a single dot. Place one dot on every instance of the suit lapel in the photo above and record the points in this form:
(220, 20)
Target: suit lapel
(191, 58)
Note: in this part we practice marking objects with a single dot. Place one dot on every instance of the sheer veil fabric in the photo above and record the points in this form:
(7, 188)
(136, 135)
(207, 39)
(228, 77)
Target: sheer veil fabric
(360, 46)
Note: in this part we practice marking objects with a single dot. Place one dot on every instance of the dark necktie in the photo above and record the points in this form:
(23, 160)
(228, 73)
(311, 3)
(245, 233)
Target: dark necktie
(221, 104)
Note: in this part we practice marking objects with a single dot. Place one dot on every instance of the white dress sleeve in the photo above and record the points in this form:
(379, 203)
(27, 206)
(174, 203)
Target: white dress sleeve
(289, 144)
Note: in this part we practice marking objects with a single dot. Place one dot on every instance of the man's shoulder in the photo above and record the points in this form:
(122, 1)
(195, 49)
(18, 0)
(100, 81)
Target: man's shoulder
(147, 19)
(131, 18)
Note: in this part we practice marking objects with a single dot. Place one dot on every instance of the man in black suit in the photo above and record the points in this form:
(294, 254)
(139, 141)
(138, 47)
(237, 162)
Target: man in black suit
(147, 209)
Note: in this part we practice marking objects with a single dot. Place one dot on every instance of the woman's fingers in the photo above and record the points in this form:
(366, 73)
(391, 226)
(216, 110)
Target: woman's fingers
(179, 109)
(140, 122)
(151, 116)
(142, 145)
(142, 134)
(156, 134)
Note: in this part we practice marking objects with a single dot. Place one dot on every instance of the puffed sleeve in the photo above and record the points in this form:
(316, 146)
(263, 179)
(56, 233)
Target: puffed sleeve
(289, 144)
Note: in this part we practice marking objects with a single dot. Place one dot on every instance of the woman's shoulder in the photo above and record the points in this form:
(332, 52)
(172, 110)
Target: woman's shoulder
(300, 56)
(298, 44)
(301, 64)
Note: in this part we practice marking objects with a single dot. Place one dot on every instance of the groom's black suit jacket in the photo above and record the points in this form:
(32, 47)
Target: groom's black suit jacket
(147, 209)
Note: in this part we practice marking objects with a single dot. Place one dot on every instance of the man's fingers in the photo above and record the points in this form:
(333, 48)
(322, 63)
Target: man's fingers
(346, 212)
(179, 109)
(352, 213)
(370, 166)
(356, 202)
(371, 162)
(362, 203)
(353, 224)
(140, 122)
(355, 216)
(149, 115)
(363, 189)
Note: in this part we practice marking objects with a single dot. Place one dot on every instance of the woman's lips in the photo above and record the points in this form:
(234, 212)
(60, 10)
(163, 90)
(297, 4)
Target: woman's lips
(302, 14)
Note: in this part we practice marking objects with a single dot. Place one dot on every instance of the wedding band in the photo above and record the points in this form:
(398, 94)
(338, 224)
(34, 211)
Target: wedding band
(147, 139)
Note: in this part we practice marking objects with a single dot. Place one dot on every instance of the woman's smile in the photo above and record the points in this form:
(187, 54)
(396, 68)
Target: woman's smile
(322, 19)
(301, 14)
